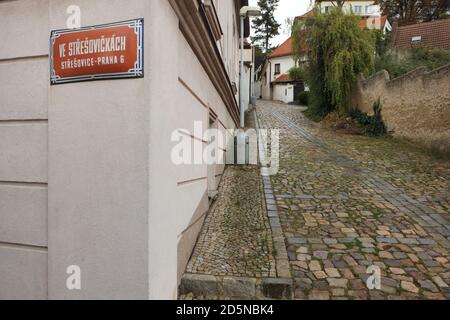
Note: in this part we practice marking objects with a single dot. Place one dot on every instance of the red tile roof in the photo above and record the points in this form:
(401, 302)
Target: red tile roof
(284, 49)
(435, 34)
(283, 78)
(308, 14)
(373, 23)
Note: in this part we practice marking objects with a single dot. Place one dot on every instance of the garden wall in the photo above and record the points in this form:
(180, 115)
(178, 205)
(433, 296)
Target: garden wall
(415, 105)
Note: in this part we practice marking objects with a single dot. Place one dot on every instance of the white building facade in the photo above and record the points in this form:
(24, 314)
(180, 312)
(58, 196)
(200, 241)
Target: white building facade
(273, 80)
(87, 181)
(359, 7)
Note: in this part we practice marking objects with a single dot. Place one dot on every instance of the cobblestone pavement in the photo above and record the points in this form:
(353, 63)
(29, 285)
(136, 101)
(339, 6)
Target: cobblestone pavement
(349, 202)
(236, 237)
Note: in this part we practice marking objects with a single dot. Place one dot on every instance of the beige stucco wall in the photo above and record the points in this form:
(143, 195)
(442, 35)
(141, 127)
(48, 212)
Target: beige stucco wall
(86, 176)
(23, 149)
(415, 106)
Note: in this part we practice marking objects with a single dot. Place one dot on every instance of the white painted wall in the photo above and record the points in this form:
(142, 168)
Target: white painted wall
(246, 87)
(85, 171)
(229, 44)
(268, 76)
(286, 63)
(23, 149)
(283, 92)
(257, 89)
(265, 80)
(367, 7)
(99, 146)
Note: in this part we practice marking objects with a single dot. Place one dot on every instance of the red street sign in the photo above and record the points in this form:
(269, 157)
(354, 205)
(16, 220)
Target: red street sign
(109, 51)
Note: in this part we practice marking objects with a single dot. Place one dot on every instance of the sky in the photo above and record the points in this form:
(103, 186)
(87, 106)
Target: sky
(286, 9)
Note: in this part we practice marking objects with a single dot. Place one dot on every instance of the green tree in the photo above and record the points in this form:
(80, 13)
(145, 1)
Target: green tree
(260, 57)
(414, 11)
(337, 50)
(265, 26)
(297, 74)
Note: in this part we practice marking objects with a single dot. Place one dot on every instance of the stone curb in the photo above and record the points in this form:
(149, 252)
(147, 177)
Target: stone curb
(282, 261)
(236, 287)
(246, 288)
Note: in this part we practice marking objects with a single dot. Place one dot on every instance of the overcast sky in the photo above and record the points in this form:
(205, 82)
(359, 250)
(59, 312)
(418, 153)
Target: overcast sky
(286, 9)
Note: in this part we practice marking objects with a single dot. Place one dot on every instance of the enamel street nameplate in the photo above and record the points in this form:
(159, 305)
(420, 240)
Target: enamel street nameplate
(109, 51)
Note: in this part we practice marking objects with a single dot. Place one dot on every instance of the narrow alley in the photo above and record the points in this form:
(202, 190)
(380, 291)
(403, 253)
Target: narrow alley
(350, 202)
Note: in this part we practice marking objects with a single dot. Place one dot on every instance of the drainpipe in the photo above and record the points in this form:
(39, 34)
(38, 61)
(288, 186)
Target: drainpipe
(241, 75)
(270, 80)
(252, 97)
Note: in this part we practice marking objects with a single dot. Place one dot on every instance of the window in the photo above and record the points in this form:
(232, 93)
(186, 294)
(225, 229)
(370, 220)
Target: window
(277, 68)
(357, 9)
(327, 9)
(213, 19)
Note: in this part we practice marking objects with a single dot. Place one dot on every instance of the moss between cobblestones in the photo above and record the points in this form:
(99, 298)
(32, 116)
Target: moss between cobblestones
(236, 237)
(397, 201)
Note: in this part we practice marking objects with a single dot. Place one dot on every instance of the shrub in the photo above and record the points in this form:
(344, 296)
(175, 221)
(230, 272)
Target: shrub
(338, 50)
(421, 57)
(374, 126)
(303, 97)
(440, 149)
(296, 74)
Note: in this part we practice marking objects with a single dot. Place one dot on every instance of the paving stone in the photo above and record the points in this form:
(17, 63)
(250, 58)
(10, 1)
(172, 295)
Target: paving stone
(303, 257)
(344, 195)
(441, 260)
(319, 295)
(427, 241)
(295, 240)
(320, 254)
(199, 285)
(431, 263)
(409, 286)
(385, 281)
(237, 227)
(338, 292)
(392, 263)
(438, 280)
(332, 272)
(320, 275)
(428, 285)
(277, 288)
(341, 283)
(385, 255)
(303, 250)
(397, 271)
(400, 255)
(239, 287)
(388, 290)
(330, 241)
(315, 266)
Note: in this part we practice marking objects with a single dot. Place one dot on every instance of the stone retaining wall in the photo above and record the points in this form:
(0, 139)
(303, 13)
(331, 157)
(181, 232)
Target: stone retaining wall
(415, 105)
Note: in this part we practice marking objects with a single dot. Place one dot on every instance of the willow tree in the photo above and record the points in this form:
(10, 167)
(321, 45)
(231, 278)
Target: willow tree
(337, 51)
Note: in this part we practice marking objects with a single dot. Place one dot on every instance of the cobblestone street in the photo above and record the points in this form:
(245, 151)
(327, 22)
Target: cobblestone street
(348, 202)
(236, 239)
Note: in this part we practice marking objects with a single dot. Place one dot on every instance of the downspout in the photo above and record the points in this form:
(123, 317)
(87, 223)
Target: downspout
(270, 80)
